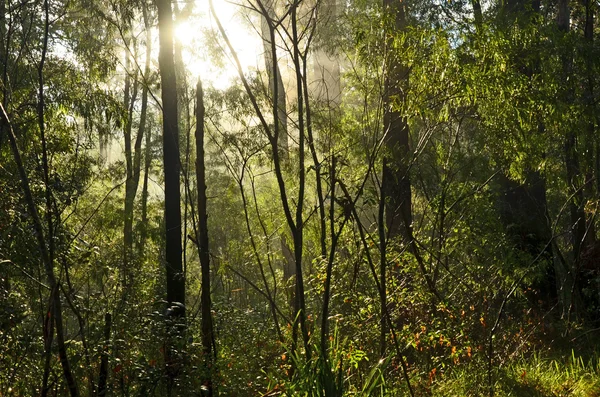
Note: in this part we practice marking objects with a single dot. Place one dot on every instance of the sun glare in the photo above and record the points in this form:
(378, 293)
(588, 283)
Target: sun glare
(191, 36)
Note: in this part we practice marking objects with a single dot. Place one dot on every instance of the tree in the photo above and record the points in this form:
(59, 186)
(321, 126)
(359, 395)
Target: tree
(209, 348)
(171, 165)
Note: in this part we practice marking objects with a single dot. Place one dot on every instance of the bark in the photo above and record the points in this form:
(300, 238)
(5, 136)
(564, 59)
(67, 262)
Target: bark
(310, 141)
(589, 39)
(205, 299)
(396, 179)
(327, 289)
(144, 220)
(347, 206)
(383, 330)
(183, 110)
(144, 131)
(175, 277)
(132, 173)
(299, 224)
(395, 202)
(477, 13)
(317, 168)
(5, 38)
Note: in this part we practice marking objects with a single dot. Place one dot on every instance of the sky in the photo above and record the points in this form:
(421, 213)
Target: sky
(192, 34)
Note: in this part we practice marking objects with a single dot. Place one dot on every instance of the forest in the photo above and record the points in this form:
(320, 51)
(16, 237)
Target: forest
(299, 198)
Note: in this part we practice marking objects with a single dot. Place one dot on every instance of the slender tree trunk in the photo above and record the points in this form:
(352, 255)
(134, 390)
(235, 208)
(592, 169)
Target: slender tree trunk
(56, 311)
(319, 183)
(300, 311)
(144, 217)
(327, 290)
(131, 172)
(202, 238)
(5, 39)
(144, 130)
(383, 330)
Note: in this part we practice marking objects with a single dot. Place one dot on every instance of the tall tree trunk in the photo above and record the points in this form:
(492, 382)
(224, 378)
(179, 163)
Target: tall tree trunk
(144, 217)
(173, 252)
(396, 179)
(4, 45)
(477, 14)
(175, 280)
(183, 100)
(574, 182)
(395, 206)
(144, 130)
(56, 311)
(327, 287)
(202, 239)
(384, 320)
(134, 157)
(131, 173)
(298, 231)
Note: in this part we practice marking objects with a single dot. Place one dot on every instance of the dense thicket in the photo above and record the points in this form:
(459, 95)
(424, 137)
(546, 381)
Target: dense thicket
(399, 199)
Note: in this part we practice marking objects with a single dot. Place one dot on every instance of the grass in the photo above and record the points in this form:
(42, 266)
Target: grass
(533, 376)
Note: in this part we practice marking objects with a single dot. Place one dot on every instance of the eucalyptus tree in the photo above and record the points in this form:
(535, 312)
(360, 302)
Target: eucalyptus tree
(175, 280)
